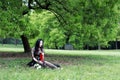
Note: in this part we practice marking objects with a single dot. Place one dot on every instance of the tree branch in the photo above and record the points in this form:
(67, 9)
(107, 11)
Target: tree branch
(29, 2)
(46, 6)
(57, 16)
(65, 8)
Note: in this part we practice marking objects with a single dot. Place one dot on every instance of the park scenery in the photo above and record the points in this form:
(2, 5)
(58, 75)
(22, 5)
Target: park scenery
(78, 39)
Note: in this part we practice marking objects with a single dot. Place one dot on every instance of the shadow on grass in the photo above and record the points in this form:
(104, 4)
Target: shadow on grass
(63, 56)
(88, 57)
(66, 59)
(83, 59)
(14, 54)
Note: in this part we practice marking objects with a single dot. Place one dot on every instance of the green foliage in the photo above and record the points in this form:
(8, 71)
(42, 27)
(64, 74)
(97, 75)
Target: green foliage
(79, 22)
(98, 22)
(57, 38)
(10, 14)
(118, 33)
(47, 28)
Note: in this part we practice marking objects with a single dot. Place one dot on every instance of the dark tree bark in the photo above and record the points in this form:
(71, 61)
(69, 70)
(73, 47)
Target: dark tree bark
(67, 38)
(25, 44)
(99, 47)
(2, 42)
(116, 44)
(56, 47)
(16, 42)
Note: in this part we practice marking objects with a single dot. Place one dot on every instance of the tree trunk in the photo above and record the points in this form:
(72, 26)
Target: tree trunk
(116, 45)
(16, 42)
(25, 44)
(2, 41)
(56, 47)
(67, 39)
(99, 47)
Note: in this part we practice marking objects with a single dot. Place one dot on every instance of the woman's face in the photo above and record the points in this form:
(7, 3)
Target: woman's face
(41, 43)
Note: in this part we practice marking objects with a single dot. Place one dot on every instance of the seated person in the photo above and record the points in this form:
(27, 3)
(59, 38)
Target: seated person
(38, 56)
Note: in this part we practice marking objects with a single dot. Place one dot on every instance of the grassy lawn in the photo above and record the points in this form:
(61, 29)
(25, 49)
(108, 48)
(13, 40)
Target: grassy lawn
(77, 65)
(11, 48)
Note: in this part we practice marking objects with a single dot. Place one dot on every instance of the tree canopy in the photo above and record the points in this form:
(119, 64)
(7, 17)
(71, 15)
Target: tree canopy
(78, 22)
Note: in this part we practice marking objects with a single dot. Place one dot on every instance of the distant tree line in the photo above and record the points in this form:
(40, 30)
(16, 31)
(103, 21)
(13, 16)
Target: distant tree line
(10, 41)
(111, 45)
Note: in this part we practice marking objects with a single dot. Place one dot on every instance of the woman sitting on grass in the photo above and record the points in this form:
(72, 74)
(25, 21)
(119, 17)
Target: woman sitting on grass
(38, 56)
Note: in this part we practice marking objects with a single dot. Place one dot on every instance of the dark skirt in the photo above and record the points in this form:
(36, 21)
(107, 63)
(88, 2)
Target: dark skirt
(31, 63)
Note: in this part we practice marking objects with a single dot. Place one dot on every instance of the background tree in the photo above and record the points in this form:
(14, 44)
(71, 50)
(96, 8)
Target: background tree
(48, 28)
(90, 22)
(13, 23)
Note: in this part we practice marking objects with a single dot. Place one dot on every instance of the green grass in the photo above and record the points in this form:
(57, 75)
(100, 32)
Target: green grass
(77, 65)
(11, 48)
(85, 67)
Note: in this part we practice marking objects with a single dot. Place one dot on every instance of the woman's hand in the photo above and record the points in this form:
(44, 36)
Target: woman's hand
(40, 62)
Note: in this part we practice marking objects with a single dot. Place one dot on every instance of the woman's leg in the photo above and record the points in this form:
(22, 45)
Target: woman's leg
(50, 65)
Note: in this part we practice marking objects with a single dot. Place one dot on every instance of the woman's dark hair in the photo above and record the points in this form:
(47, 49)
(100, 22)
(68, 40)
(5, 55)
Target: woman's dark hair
(37, 45)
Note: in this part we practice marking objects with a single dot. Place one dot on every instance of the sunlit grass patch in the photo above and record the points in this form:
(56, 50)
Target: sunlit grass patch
(11, 48)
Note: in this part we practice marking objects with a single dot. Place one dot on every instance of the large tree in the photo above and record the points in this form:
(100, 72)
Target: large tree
(13, 21)
(89, 22)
